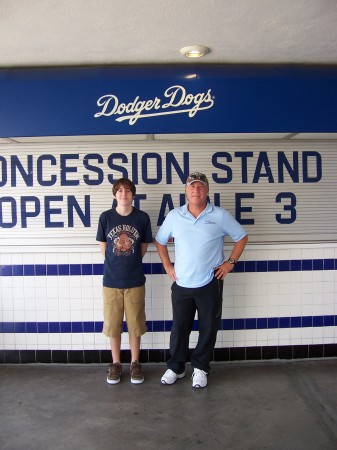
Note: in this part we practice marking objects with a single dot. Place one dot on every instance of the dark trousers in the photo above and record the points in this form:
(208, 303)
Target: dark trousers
(207, 301)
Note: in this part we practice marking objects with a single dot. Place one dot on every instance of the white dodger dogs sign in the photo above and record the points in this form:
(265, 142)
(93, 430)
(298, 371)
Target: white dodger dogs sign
(179, 102)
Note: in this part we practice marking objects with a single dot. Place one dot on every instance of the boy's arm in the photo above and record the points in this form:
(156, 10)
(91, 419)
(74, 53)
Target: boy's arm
(102, 247)
(143, 248)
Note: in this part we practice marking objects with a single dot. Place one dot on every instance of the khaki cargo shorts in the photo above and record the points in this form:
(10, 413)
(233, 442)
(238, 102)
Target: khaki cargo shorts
(130, 301)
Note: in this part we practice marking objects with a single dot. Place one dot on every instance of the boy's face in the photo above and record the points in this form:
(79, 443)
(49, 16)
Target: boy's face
(124, 196)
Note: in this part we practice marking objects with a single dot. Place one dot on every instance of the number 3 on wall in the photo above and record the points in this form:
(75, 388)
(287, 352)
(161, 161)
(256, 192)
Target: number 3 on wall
(290, 207)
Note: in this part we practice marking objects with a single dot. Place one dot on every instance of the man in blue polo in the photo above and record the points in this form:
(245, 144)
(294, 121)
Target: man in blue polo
(198, 229)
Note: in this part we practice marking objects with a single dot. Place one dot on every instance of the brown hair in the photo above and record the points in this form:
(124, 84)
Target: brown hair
(124, 182)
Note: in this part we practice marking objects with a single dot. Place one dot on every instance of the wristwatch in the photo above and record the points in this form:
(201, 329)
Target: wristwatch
(231, 261)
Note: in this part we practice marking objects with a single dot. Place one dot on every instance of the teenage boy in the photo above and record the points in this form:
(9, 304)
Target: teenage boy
(124, 233)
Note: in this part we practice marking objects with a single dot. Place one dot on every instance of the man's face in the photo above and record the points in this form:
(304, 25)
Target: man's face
(196, 193)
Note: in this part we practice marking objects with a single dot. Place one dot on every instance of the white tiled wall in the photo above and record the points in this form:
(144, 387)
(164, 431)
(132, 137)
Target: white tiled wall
(250, 295)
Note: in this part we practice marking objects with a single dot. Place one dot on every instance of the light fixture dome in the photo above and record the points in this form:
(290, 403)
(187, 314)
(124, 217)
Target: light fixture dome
(194, 51)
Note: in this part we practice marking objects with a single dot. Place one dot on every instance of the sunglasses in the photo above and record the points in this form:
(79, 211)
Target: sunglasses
(197, 176)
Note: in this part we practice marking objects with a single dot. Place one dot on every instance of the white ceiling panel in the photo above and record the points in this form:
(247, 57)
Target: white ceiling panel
(94, 32)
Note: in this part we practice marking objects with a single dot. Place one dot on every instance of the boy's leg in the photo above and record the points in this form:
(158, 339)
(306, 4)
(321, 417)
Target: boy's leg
(134, 305)
(136, 370)
(134, 347)
(115, 343)
(115, 369)
(113, 312)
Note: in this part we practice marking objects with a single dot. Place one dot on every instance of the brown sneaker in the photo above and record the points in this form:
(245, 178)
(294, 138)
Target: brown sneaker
(136, 371)
(115, 372)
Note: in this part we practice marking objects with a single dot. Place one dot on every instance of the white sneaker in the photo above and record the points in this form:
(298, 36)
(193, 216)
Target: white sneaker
(171, 377)
(199, 378)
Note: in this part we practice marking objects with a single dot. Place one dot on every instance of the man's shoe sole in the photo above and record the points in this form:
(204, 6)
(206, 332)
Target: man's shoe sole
(197, 386)
(179, 376)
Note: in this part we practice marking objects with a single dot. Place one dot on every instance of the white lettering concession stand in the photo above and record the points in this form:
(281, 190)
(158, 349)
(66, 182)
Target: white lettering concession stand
(266, 137)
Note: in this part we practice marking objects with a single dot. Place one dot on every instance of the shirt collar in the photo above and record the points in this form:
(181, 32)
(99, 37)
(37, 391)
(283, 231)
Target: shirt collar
(207, 210)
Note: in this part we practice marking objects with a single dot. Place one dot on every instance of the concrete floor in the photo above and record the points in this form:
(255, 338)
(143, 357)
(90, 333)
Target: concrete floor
(262, 405)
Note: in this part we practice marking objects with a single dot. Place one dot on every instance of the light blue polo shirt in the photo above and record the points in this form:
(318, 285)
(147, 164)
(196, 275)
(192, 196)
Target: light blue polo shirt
(199, 242)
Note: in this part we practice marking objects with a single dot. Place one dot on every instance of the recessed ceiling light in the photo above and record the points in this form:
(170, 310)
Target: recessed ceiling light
(194, 51)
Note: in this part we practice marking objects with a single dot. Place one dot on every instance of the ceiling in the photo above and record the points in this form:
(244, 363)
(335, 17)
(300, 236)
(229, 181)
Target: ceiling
(94, 32)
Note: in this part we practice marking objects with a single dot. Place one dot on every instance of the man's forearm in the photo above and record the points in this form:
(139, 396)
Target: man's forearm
(163, 253)
(238, 248)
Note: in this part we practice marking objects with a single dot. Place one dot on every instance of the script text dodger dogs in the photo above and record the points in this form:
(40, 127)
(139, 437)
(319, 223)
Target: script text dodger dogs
(179, 99)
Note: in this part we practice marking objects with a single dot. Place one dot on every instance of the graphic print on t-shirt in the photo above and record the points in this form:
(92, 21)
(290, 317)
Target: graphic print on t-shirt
(123, 238)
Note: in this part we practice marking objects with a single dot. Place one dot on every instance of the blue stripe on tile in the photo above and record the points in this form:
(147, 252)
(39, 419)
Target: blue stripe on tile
(7, 327)
(157, 268)
(239, 324)
(64, 269)
(307, 321)
(65, 327)
(54, 327)
(19, 327)
(329, 264)
(329, 321)
(260, 323)
(273, 322)
(318, 264)
(295, 265)
(284, 322)
(77, 327)
(295, 322)
(273, 266)
(318, 321)
(250, 324)
(31, 327)
(307, 264)
(42, 327)
(7, 271)
(249, 266)
(52, 269)
(18, 271)
(261, 266)
(284, 265)
(28, 270)
(88, 327)
(75, 269)
(87, 269)
(41, 270)
(97, 269)
(227, 324)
